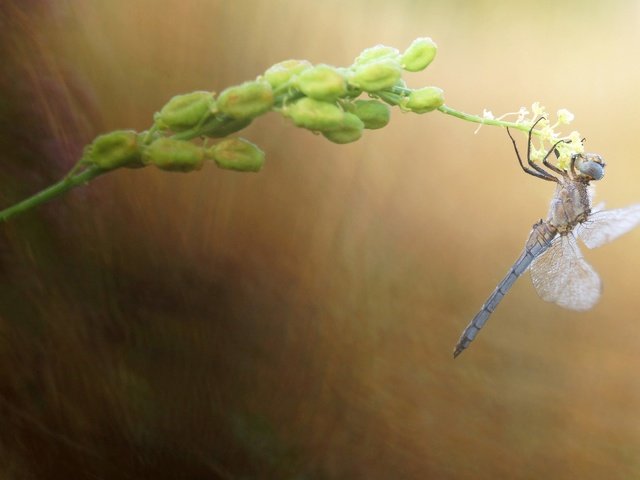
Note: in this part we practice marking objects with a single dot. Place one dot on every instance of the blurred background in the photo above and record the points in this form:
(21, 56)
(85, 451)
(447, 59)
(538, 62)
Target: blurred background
(299, 323)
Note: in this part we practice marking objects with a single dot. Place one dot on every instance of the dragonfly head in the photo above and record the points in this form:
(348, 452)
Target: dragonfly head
(590, 165)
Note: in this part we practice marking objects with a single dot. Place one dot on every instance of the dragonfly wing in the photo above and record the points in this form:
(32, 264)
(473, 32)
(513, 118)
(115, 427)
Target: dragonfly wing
(607, 225)
(561, 275)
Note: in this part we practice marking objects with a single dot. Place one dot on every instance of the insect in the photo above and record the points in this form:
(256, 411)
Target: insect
(559, 272)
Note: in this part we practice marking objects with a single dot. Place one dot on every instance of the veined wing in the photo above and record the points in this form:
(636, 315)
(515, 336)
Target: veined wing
(607, 225)
(561, 275)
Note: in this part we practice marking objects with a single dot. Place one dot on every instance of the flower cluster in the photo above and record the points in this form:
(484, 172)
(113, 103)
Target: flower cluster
(324, 99)
(546, 132)
(320, 98)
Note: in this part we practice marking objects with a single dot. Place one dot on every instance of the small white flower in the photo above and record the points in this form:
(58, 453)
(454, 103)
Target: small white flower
(537, 154)
(538, 110)
(576, 142)
(546, 134)
(522, 114)
(565, 117)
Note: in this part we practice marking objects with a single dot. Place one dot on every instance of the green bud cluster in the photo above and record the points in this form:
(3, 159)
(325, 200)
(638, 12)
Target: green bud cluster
(373, 113)
(349, 130)
(174, 155)
(419, 55)
(281, 73)
(220, 128)
(323, 98)
(423, 100)
(376, 75)
(376, 53)
(322, 82)
(246, 101)
(237, 154)
(112, 150)
(201, 113)
(320, 98)
(338, 123)
(314, 114)
(184, 112)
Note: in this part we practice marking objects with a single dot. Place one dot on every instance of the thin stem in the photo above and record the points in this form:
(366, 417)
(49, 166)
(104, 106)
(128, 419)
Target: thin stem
(54, 190)
(397, 92)
(485, 121)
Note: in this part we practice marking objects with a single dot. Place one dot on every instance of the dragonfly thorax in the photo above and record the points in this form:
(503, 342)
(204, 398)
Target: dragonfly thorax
(570, 205)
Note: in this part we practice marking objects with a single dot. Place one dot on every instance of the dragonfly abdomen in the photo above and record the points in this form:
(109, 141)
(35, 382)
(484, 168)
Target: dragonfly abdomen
(539, 240)
(492, 302)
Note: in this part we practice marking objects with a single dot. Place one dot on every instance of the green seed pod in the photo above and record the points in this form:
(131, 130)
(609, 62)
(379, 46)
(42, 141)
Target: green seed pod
(424, 100)
(237, 154)
(174, 155)
(247, 100)
(183, 112)
(373, 113)
(349, 130)
(322, 82)
(376, 53)
(113, 150)
(280, 73)
(401, 83)
(223, 127)
(375, 76)
(419, 55)
(314, 114)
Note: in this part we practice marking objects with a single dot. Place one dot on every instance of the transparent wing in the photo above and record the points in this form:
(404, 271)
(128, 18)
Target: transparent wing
(607, 225)
(561, 275)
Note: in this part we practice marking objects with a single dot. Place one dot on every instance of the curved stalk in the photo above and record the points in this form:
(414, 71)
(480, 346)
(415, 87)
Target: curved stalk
(67, 183)
(485, 121)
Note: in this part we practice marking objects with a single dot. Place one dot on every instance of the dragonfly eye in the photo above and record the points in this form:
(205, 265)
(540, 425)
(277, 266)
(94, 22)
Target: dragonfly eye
(591, 165)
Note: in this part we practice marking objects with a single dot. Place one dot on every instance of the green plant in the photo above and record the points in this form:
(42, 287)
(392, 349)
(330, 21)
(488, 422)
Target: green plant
(320, 98)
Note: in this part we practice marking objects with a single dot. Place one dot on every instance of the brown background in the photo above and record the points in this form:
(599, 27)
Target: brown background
(298, 323)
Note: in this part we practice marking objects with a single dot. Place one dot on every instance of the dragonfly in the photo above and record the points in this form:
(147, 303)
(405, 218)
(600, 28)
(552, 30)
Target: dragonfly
(559, 272)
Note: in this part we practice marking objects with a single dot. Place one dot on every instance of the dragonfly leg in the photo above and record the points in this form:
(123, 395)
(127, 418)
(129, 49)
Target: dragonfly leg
(572, 166)
(553, 149)
(535, 170)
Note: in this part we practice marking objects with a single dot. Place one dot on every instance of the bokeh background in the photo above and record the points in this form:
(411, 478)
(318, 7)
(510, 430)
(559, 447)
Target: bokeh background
(298, 323)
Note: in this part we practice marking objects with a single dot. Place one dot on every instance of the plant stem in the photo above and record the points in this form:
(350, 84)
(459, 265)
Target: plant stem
(485, 121)
(67, 183)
